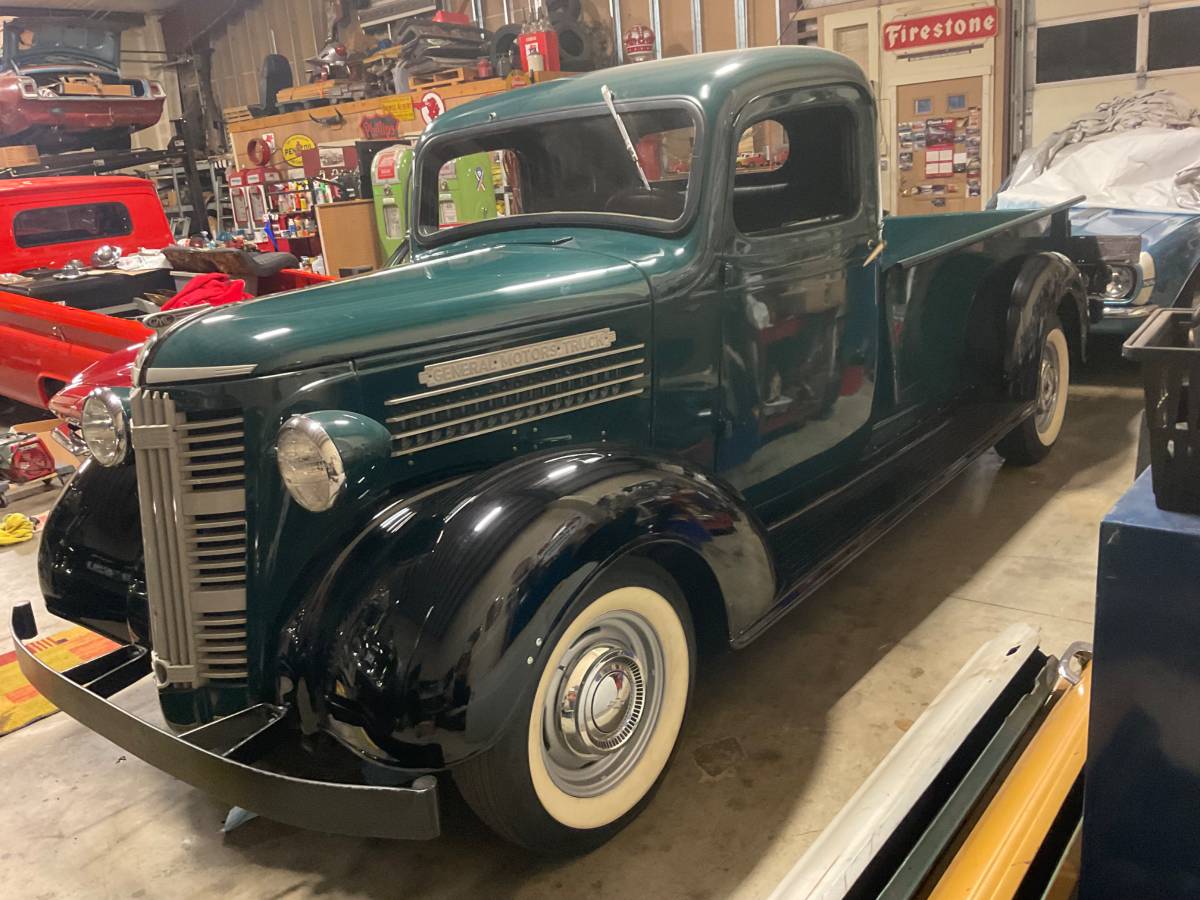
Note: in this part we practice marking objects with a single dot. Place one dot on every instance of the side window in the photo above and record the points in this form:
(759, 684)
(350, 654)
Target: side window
(796, 169)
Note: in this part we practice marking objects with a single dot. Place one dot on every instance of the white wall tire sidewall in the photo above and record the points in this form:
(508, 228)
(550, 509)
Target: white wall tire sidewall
(1050, 435)
(597, 812)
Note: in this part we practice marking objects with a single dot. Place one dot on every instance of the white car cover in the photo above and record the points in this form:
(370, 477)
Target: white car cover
(1140, 152)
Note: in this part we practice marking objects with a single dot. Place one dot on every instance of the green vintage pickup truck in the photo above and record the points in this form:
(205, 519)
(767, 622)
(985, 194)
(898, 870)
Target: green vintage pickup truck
(483, 514)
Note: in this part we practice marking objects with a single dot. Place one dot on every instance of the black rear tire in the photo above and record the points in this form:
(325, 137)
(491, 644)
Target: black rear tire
(499, 784)
(1031, 441)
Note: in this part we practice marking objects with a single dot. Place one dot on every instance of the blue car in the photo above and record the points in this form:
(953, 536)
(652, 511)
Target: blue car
(1167, 272)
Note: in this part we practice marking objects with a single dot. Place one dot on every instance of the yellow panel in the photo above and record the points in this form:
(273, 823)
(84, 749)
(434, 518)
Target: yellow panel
(717, 25)
(676, 16)
(1054, 105)
(762, 27)
(998, 852)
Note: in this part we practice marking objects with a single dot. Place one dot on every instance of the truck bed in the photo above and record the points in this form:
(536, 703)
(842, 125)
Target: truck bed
(914, 239)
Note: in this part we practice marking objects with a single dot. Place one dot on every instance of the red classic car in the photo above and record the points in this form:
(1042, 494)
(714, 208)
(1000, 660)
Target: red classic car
(61, 89)
(51, 327)
(47, 222)
(54, 324)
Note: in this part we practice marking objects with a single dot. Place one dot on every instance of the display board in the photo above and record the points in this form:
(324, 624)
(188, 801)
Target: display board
(939, 146)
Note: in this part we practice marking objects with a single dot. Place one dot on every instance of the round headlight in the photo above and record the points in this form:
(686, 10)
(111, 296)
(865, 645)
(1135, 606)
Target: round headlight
(309, 463)
(1120, 282)
(105, 427)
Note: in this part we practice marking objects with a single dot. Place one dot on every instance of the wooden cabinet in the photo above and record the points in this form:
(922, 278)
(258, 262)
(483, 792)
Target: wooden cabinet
(348, 239)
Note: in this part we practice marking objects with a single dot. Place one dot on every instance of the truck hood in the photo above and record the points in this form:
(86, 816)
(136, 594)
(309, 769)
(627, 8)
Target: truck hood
(445, 295)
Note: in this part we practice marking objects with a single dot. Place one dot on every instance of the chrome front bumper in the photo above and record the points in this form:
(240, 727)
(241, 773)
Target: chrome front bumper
(1122, 319)
(219, 758)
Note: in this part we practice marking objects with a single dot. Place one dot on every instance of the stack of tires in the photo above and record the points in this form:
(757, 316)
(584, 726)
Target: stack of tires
(581, 47)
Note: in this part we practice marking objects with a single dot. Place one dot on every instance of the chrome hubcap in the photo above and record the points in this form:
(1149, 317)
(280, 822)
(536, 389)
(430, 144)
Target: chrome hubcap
(1048, 385)
(602, 704)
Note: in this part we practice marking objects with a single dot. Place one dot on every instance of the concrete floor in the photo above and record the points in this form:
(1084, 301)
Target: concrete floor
(786, 730)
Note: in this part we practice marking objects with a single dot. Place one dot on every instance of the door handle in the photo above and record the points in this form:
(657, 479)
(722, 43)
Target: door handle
(876, 247)
(58, 333)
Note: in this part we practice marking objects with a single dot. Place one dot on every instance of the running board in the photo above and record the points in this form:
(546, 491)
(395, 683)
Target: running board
(813, 546)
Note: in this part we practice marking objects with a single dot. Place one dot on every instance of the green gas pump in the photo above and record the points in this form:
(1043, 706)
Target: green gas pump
(466, 193)
(466, 190)
(391, 172)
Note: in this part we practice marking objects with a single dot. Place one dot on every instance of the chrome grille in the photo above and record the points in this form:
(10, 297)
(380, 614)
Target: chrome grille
(191, 473)
(433, 418)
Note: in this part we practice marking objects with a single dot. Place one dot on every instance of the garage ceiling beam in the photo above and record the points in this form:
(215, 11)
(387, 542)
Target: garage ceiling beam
(122, 20)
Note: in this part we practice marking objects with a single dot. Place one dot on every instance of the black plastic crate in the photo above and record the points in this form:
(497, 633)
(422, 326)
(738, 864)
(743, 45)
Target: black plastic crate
(1166, 346)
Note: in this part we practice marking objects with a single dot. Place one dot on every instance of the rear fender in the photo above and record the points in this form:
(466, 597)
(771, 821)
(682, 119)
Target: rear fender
(417, 643)
(1047, 283)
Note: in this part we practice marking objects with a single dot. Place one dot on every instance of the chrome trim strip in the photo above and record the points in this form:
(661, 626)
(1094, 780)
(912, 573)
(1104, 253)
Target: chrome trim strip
(70, 442)
(168, 375)
(614, 9)
(454, 370)
(557, 412)
(507, 409)
(1128, 312)
(1149, 279)
(472, 384)
(541, 384)
(656, 24)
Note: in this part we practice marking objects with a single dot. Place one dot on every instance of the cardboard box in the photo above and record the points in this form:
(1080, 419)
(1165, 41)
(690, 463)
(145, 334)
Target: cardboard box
(19, 155)
(61, 455)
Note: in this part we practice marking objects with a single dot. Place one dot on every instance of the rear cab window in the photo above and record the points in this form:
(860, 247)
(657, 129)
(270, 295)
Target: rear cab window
(47, 225)
(796, 169)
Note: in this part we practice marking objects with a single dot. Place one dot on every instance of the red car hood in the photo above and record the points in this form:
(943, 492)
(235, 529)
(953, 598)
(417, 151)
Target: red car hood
(115, 370)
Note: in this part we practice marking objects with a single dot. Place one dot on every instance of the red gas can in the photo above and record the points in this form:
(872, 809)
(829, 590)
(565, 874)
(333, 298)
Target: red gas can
(543, 42)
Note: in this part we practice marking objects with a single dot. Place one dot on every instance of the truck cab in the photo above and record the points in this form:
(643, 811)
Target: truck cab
(481, 515)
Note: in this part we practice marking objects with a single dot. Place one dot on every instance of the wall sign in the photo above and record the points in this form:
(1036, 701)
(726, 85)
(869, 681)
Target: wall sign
(432, 105)
(944, 28)
(294, 147)
(381, 127)
(400, 107)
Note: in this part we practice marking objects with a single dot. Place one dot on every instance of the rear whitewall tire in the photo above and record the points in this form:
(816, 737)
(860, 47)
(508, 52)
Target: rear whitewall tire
(1048, 426)
(1032, 440)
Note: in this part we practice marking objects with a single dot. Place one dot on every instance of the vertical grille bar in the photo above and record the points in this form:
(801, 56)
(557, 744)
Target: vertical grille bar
(191, 483)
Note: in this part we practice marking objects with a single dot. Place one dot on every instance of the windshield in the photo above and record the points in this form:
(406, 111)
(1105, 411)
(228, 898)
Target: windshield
(565, 171)
(38, 43)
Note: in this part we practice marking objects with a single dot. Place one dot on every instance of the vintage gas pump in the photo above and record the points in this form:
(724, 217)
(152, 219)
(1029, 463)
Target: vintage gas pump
(466, 190)
(254, 192)
(391, 172)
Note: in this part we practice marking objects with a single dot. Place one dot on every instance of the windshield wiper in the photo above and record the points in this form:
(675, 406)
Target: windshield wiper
(608, 99)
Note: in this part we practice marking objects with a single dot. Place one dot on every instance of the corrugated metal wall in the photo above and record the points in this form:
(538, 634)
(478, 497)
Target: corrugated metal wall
(299, 29)
(143, 56)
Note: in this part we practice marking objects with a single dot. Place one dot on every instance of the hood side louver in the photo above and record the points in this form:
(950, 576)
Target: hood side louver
(437, 417)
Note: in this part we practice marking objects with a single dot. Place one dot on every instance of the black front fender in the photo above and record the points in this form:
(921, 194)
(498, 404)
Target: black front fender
(1047, 283)
(90, 558)
(417, 643)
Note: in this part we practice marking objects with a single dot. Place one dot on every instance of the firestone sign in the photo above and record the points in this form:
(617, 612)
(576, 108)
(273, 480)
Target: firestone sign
(943, 28)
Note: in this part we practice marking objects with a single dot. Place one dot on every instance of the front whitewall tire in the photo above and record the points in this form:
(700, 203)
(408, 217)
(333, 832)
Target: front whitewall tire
(606, 808)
